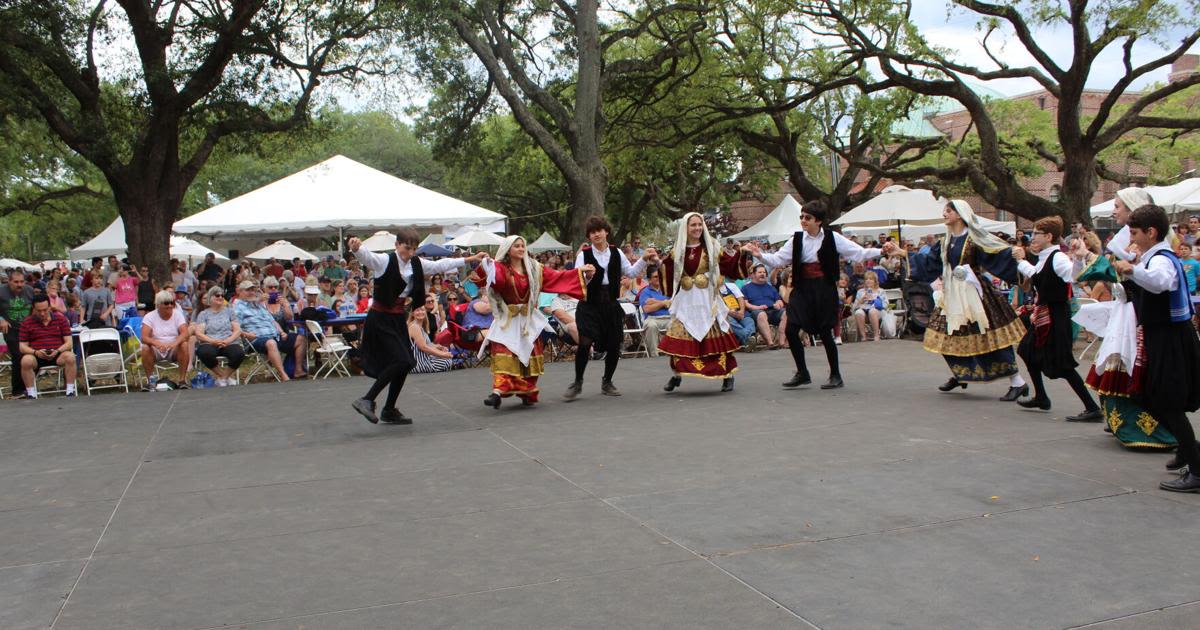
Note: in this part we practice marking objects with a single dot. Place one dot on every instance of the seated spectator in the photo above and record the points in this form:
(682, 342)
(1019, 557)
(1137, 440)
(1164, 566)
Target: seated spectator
(868, 307)
(183, 301)
(218, 334)
(429, 356)
(655, 307)
(845, 300)
(364, 300)
(764, 301)
(563, 310)
(165, 338)
(259, 327)
(98, 304)
(741, 322)
(478, 314)
(45, 340)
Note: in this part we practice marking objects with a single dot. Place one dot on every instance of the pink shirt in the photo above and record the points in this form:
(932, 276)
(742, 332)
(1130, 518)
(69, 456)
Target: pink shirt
(164, 330)
(126, 290)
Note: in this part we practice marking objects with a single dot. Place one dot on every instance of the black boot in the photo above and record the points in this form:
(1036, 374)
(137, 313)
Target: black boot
(1035, 403)
(366, 408)
(1189, 482)
(727, 384)
(1088, 415)
(798, 379)
(672, 383)
(391, 415)
(492, 401)
(951, 384)
(834, 382)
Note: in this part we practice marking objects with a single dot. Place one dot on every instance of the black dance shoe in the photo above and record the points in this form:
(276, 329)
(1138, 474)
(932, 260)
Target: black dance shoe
(727, 384)
(951, 384)
(391, 415)
(608, 389)
(366, 408)
(1014, 393)
(1035, 403)
(675, 381)
(798, 379)
(1185, 483)
(1088, 415)
(834, 382)
(492, 401)
(573, 390)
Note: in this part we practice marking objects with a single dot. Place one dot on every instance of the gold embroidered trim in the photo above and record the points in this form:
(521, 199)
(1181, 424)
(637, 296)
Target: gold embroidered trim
(975, 344)
(511, 365)
(705, 376)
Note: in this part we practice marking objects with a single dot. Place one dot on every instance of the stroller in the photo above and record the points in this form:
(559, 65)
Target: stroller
(919, 298)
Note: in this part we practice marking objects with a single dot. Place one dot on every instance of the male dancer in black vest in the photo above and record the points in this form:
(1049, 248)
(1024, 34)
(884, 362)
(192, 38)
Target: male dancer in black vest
(813, 306)
(599, 316)
(386, 348)
(1046, 347)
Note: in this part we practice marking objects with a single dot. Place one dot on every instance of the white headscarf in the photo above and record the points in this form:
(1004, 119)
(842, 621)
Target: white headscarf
(1134, 198)
(710, 244)
(533, 271)
(985, 240)
(961, 299)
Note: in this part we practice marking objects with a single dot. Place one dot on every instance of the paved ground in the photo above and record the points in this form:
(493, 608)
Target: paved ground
(885, 504)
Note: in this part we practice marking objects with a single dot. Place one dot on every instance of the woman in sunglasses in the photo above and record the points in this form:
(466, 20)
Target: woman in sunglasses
(217, 335)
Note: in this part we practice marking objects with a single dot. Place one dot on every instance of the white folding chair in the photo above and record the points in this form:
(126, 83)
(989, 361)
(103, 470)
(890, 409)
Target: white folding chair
(895, 299)
(332, 349)
(102, 365)
(258, 364)
(160, 365)
(5, 368)
(637, 332)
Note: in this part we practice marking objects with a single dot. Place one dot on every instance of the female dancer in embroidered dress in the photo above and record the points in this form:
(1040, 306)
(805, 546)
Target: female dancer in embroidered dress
(1171, 383)
(513, 282)
(972, 326)
(813, 304)
(1046, 347)
(698, 338)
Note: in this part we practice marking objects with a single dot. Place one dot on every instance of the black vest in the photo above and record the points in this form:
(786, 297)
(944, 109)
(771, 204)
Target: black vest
(827, 257)
(389, 286)
(596, 285)
(1154, 308)
(1050, 288)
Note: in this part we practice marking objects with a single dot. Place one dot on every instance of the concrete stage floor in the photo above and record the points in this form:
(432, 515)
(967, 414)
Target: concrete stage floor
(885, 504)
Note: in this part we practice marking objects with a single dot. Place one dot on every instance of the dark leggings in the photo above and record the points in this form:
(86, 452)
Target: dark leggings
(611, 356)
(208, 353)
(1177, 423)
(393, 378)
(1072, 378)
(792, 332)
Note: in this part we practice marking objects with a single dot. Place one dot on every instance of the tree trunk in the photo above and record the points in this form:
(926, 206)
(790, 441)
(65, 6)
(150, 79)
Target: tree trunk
(1079, 183)
(587, 199)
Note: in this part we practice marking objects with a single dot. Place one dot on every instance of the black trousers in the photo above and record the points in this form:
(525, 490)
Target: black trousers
(208, 353)
(12, 340)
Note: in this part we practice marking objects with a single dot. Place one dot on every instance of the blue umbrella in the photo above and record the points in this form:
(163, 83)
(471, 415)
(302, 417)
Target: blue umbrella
(431, 250)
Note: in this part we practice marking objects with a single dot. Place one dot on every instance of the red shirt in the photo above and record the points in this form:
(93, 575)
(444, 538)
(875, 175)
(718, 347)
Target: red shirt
(46, 336)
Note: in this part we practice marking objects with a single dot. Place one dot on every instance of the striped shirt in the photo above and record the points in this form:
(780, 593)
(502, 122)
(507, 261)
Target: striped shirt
(46, 336)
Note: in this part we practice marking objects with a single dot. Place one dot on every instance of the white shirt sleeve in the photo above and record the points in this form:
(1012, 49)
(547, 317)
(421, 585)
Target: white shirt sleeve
(377, 263)
(635, 270)
(1063, 268)
(853, 252)
(780, 258)
(1026, 269)
(445, 265)
(579, 259)
(1157, 275)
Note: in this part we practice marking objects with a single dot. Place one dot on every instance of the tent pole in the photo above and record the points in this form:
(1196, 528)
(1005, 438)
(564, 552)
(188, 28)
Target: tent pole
(341, 243)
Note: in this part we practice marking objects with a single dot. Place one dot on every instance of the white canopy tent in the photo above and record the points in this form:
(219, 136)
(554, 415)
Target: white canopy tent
(111, 242)
(281, 250)
(546, 243)
(336, 195)
(895, 206)
(13, 263)
(777, 226)
(475, 237)
(380, 241)
(1182, 196)
(920, 231)
(436, 239)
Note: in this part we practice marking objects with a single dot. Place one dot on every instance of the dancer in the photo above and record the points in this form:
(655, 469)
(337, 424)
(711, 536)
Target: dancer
(599, 317)
(1126, 201)
(513, 283)
(1171, 386)
(1046, 347)
(698, 338)
(813, 304)
(972, 326)
(1116, 375)
(386, 347)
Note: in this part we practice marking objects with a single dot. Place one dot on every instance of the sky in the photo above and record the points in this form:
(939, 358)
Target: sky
(957, 30)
